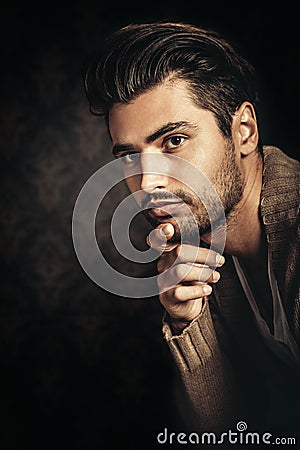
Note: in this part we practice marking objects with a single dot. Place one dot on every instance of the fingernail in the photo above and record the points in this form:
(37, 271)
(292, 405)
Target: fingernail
(220, 260)
(168, 229)
(216, 276)
(207, 289)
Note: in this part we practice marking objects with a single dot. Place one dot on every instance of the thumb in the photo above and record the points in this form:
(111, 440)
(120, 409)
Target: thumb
(158, 237)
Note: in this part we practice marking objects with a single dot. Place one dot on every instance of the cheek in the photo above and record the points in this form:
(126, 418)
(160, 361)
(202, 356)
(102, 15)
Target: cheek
(207, 154)
(133, 183)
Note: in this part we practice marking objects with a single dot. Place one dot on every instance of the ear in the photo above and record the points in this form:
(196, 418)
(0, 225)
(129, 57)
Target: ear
(245, 129)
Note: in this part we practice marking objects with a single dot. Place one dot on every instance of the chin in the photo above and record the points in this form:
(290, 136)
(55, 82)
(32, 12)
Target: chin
(186, 232)
(185, 229)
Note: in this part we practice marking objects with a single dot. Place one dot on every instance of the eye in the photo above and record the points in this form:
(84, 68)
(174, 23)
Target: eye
(174, 141)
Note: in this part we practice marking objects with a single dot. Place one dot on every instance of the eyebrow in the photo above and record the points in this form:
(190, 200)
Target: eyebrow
(170, 126)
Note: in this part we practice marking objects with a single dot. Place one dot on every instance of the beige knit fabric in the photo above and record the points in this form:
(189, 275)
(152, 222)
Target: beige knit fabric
(225, 371)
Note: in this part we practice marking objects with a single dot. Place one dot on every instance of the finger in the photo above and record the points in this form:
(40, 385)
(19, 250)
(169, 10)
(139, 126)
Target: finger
(201, 255)
(158, 237)
(185, 293)
(189, 254)
(184, 303)
(183, 273)
(201, 273)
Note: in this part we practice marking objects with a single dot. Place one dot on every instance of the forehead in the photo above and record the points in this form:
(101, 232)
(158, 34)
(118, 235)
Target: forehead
(167, 102)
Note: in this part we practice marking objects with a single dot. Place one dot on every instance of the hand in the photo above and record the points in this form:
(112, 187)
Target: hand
(184, 300)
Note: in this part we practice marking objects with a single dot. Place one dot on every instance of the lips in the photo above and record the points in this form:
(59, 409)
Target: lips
(165, 209)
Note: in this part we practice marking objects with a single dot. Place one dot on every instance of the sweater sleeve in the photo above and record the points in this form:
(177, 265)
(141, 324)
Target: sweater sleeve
(206, 389)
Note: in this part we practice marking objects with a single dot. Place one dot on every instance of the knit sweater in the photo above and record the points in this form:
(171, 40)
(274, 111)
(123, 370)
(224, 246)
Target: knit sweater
(225, 371)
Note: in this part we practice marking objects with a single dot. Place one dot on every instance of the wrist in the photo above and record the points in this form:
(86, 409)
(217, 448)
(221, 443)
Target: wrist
(178, 325)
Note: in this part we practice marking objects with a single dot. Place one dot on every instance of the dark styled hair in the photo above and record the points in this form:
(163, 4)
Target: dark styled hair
(138, 57)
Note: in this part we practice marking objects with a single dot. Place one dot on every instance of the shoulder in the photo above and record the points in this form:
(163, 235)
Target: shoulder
(275, 160)
(280, 188)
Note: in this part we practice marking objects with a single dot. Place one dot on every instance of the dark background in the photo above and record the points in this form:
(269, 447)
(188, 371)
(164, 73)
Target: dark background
(81, 368)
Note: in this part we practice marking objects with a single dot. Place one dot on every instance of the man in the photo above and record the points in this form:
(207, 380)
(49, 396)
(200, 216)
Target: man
(176, 89)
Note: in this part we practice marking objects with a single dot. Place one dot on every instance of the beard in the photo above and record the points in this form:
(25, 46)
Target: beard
(228, 183)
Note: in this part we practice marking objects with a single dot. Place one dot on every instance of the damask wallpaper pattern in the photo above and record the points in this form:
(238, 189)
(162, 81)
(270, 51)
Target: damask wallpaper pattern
(80, 368)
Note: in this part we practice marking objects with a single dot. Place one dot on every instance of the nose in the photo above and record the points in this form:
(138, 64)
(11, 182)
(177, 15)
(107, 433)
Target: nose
(152, 181)
(154, 173)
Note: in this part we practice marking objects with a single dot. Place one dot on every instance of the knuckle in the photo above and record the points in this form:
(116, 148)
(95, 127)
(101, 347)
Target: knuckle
(177, 251)
(167, 300)
(176, 310)
(165, 281)
(196, 292)
(177, 293)
(160, 265)
(181, 270)
(162, 299)
(178, 271)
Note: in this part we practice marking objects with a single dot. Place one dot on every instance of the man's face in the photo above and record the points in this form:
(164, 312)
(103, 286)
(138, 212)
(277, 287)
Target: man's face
(167, 121)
